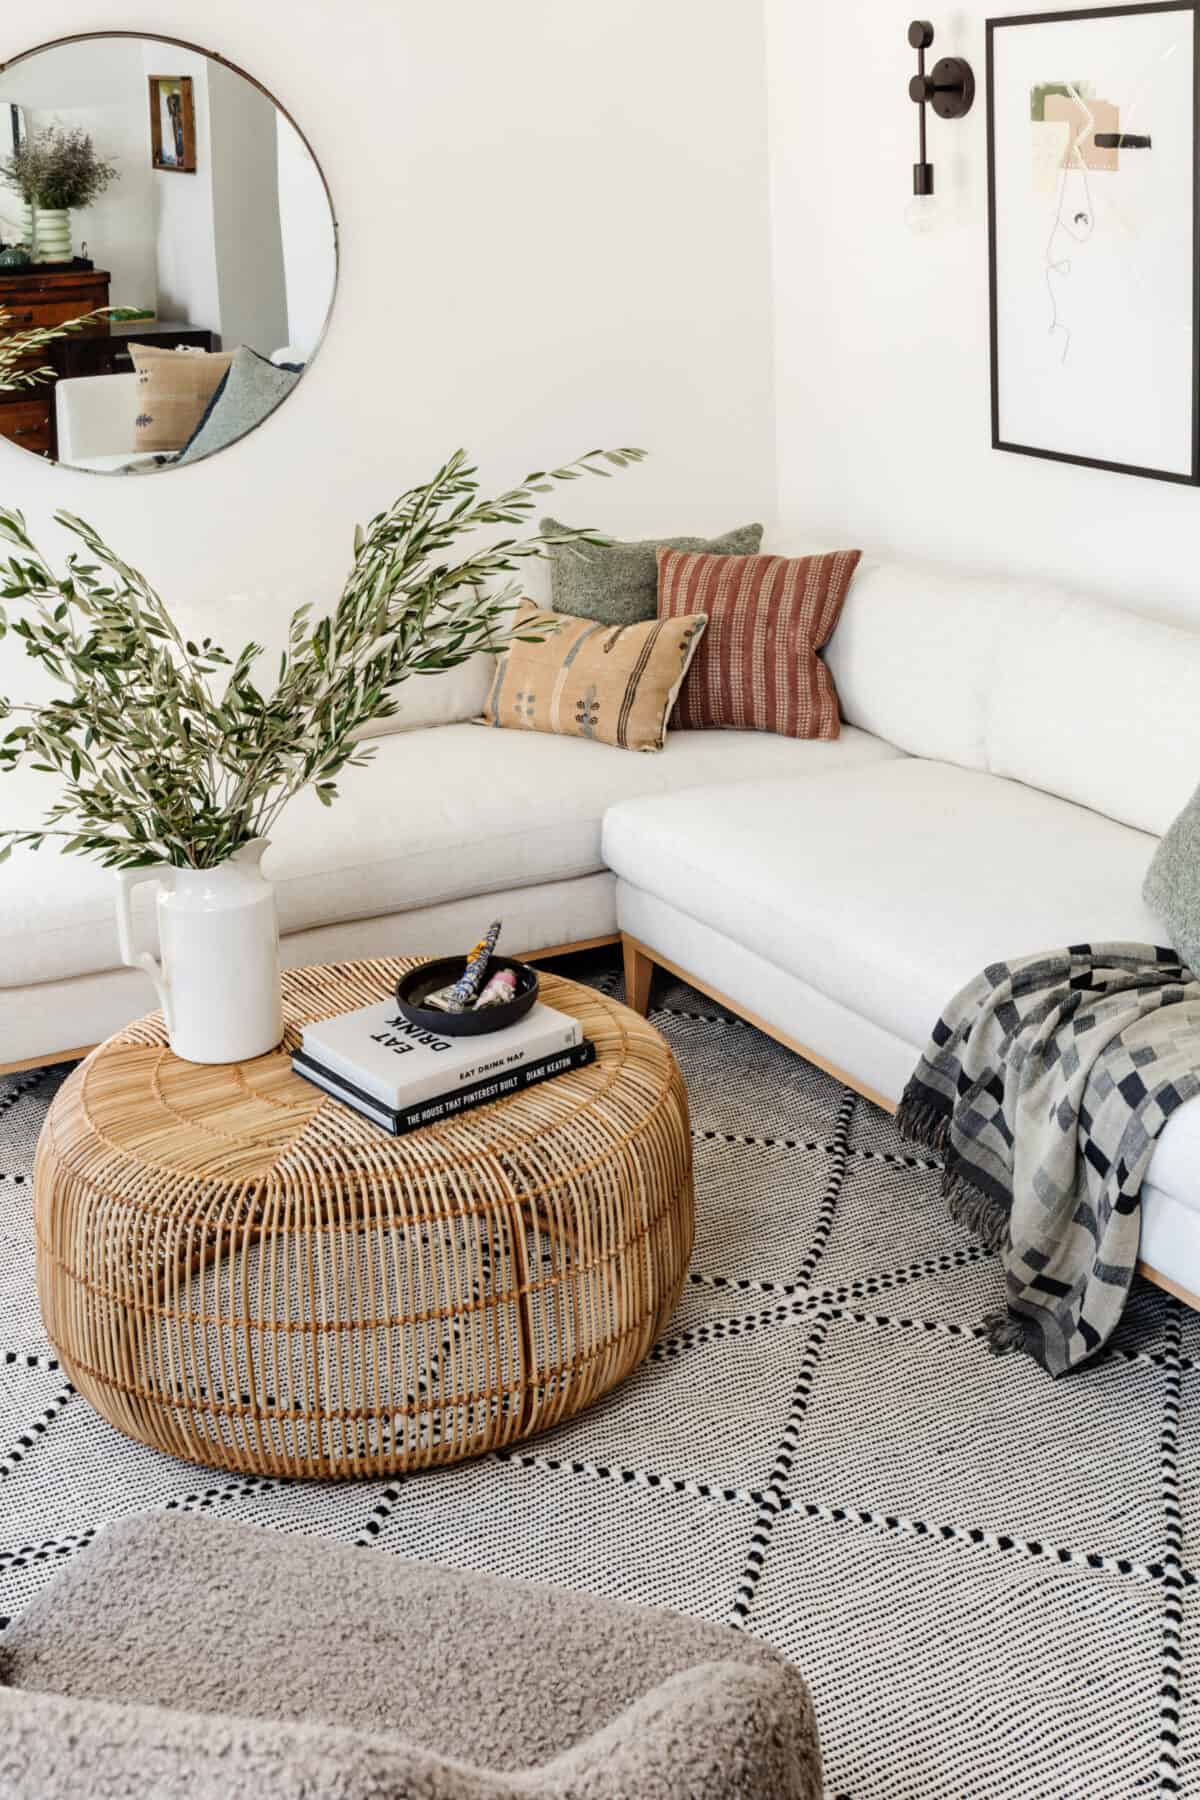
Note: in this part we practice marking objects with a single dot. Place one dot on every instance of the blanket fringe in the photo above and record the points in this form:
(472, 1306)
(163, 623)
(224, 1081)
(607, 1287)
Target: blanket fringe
(975, 1211)
(1004, 1333)
(920, 1123)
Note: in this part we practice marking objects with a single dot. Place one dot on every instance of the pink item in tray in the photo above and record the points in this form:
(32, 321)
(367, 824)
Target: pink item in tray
(502, 987)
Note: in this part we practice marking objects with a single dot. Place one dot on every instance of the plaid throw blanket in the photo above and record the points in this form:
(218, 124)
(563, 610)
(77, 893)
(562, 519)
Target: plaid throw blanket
(1045, 1086)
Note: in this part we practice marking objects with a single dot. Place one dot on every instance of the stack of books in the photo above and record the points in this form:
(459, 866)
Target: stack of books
(403, 1076)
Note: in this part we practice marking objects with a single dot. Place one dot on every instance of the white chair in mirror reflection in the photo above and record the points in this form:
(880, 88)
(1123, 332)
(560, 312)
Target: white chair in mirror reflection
(97, 418)
(95, 415)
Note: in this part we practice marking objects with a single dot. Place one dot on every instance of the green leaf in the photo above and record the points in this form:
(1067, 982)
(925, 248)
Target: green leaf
(162, 761)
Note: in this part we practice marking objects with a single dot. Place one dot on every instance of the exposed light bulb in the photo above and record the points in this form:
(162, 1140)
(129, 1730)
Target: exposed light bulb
(923, 213)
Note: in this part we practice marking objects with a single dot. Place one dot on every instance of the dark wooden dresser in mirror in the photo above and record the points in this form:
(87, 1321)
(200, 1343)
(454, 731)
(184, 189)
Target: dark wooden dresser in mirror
(31, 299)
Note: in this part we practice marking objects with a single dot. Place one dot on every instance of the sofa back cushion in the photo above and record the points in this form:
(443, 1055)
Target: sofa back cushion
(449, 697)
(912, 656)
(457, 695)
(1097, 705)
(1062, 691)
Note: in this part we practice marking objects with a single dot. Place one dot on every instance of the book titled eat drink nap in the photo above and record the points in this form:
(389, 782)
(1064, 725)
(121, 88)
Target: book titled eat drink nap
(403, 1075)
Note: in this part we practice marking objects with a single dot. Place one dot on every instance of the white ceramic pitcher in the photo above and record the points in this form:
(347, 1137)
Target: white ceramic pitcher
(218, 981)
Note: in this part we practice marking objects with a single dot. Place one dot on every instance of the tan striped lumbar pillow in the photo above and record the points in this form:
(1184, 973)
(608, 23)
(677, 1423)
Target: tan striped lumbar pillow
(758, 668)
(615, 684)
(173, 389)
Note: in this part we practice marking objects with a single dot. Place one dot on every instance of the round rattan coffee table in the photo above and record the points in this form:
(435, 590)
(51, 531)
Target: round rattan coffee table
(237, 1270)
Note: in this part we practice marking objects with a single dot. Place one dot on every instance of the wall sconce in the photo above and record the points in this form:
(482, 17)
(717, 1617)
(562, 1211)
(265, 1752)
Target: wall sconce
(950, 90)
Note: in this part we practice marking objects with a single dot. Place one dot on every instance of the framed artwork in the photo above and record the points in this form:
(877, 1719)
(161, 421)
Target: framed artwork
(1093, 125)
(172, 124)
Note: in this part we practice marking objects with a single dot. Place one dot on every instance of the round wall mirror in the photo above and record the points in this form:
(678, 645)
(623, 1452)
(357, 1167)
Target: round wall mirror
(168, 253)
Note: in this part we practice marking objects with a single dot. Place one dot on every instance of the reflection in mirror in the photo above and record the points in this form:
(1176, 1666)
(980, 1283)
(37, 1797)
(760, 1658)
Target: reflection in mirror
(168, 254)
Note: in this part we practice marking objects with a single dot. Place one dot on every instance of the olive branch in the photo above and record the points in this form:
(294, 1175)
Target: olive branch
(18, 345)
(168, 751)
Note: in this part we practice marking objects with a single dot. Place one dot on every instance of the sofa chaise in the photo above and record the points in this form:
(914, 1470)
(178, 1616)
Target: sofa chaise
(1010, 756)
(184, 1656)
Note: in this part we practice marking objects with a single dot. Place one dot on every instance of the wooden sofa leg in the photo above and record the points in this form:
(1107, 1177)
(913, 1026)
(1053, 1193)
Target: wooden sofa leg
(639, 973)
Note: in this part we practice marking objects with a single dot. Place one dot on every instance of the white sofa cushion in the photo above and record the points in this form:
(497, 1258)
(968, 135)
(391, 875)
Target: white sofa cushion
(1098, 705)
(882, 1063)
(39, 1021)
(887, 888)
(893, 887)
(449, 698)
(1059, 690)
(459, 695)
(913, 659)
(437, 815)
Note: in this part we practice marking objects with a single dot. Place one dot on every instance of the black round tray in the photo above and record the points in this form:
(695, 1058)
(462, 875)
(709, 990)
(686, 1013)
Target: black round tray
(412, 988)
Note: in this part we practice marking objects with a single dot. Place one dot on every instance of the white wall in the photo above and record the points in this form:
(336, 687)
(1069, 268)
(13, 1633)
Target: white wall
(309, 246)
(246, 213)
(220, 258)
(884, 432)
(554, 235)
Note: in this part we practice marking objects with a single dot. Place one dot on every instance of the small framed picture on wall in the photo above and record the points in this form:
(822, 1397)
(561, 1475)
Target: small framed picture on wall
(172, 124)
(1093, 129)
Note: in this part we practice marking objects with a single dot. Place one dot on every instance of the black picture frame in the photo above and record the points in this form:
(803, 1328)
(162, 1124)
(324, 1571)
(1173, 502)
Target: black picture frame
(1071, 15)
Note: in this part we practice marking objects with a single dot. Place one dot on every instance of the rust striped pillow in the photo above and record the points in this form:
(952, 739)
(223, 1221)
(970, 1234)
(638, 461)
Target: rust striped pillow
(757, 667)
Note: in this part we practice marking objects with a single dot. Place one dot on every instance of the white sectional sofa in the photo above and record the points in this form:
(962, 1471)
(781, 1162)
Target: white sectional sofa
(449, 826)
(1049, 741)
(1010, 756)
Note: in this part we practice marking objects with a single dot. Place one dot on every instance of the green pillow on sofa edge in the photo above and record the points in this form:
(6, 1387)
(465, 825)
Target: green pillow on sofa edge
(252, 388)
(618, 585)
(1172, 885)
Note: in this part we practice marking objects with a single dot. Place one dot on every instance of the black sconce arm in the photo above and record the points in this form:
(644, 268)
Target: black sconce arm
(950, 90)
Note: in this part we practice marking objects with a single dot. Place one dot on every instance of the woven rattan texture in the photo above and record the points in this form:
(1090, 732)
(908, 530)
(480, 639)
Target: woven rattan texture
(988, 1578)
(236, 1269)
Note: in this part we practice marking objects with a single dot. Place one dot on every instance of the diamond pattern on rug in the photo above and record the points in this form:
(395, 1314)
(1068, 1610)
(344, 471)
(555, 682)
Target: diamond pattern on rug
(750, 1093)
(708, 1415)
(887, 1217)
(1189, 1463)
(942, 1671)
(981, 1572)
(85, 1473)
(1016, 1453)
(575, 1528)
(302, 1508)
(24, 1102)
(766, 1212)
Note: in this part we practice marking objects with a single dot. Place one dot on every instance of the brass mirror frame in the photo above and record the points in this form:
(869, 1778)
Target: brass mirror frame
(178, 43)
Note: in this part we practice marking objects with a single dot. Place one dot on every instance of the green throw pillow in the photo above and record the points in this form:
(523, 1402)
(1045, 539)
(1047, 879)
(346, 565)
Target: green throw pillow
(252, 388)
(1172, 885)
(619, 585)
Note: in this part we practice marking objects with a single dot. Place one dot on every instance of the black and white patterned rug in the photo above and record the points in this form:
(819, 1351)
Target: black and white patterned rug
(986, 1577)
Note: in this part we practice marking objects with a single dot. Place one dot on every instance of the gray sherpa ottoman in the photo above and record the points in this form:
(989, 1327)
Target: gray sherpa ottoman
(180, 1657)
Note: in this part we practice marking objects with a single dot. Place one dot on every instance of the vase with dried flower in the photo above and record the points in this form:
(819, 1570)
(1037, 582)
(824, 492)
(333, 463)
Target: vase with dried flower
(56, 171)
